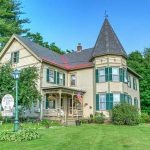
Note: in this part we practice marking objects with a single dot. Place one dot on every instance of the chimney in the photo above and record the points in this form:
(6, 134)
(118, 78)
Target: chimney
(79, 47)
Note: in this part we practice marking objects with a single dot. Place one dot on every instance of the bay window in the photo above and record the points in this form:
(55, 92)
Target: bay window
(115, 74)
(102, 102)
(101, 73)
(116, 99)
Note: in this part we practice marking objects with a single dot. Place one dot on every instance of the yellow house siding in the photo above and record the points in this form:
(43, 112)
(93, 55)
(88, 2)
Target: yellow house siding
(85, 82)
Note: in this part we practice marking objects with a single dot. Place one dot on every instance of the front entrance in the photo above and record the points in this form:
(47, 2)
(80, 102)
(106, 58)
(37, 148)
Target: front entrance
(62, 103)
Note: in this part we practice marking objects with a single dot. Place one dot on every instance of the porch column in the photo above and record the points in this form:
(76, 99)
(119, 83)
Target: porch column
(59, 103)
(42, 106)
(72, 104)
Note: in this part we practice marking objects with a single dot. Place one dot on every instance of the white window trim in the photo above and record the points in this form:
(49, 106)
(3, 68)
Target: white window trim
(50, 69)
(99, 75)
(102, 102)
(12, 57)
(75, 79)
(117, 75)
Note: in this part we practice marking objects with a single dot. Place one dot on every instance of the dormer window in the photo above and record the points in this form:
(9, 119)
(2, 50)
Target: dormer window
(15, 57)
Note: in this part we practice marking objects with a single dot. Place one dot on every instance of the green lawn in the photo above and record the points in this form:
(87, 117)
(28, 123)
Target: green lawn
(87, 137)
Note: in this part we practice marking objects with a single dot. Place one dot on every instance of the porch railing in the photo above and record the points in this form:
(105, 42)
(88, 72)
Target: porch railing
(60, 112)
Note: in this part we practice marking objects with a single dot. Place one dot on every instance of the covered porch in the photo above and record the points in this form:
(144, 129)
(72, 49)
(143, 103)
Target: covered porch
(62, 102)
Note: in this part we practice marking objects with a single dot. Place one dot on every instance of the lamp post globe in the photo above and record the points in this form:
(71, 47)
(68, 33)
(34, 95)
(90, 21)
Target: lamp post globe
(16, 76)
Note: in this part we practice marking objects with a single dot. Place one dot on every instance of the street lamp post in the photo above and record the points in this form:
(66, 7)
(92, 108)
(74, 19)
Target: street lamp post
(16, 75)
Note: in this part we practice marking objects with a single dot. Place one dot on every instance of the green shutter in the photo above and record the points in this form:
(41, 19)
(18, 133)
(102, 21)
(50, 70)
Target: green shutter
(121, 75)
(47, 75)
(122, 98)
(107, 101)
(11, 59)
(17, 57)
(106, 74)
(110, 74)
(64, 79)
(97, 102)
(57, 77)
(47, 102)
(110, 100)
(97, 76)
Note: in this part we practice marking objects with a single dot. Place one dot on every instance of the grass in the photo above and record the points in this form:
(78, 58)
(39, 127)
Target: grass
(86, 137)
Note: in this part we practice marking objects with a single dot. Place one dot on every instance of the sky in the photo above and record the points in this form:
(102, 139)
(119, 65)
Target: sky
(69, 22)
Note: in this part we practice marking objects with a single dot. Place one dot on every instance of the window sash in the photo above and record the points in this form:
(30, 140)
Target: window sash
(60, 78)
(115, 74)
(15, 57)
(116, 99)
(102, 102)
(101, 73)
(51, 75)
(73, 80)
(129, 81)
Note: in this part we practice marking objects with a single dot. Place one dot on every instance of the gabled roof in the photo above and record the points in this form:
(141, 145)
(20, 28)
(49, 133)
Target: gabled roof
(70, 61)
(108, 42)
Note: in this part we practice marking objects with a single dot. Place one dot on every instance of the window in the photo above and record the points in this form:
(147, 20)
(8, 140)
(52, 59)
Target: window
(125, 76)
(73, 80)
(136, 102)
(129, 81)
(116, 99)
(102, 101)
(60, 78)
(101, 73)
(52, 104)
(115, 74)
(15, 57)
(129, 100)
(51, 75)
(134, 84)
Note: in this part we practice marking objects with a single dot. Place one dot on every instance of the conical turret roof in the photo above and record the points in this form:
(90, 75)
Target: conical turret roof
(108, 42)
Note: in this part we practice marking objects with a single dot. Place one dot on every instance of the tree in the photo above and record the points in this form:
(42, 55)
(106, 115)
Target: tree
(28, 92)
(141, 64)
(10, 21)
(37, 38)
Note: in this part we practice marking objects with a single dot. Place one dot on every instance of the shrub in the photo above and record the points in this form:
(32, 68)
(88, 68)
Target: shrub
(21, 135)
(84, 121)
(144, 118)
(99, 118)
(47, 123)
(1, 118)
(125, 114)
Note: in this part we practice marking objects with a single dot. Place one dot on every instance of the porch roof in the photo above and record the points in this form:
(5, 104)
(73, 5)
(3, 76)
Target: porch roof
(55, 88)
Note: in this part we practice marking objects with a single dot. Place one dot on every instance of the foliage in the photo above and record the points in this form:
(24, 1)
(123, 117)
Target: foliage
(141, 64)
(28, 92)
(99, 118)
(6, 80)
(37, 38)
(21, 135)
(47, 123)
(125, 114)
(144, 118)
(10, 20)
(1, 118)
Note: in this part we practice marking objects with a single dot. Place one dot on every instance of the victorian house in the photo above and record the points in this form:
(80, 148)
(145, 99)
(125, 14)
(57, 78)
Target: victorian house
(79, 83)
